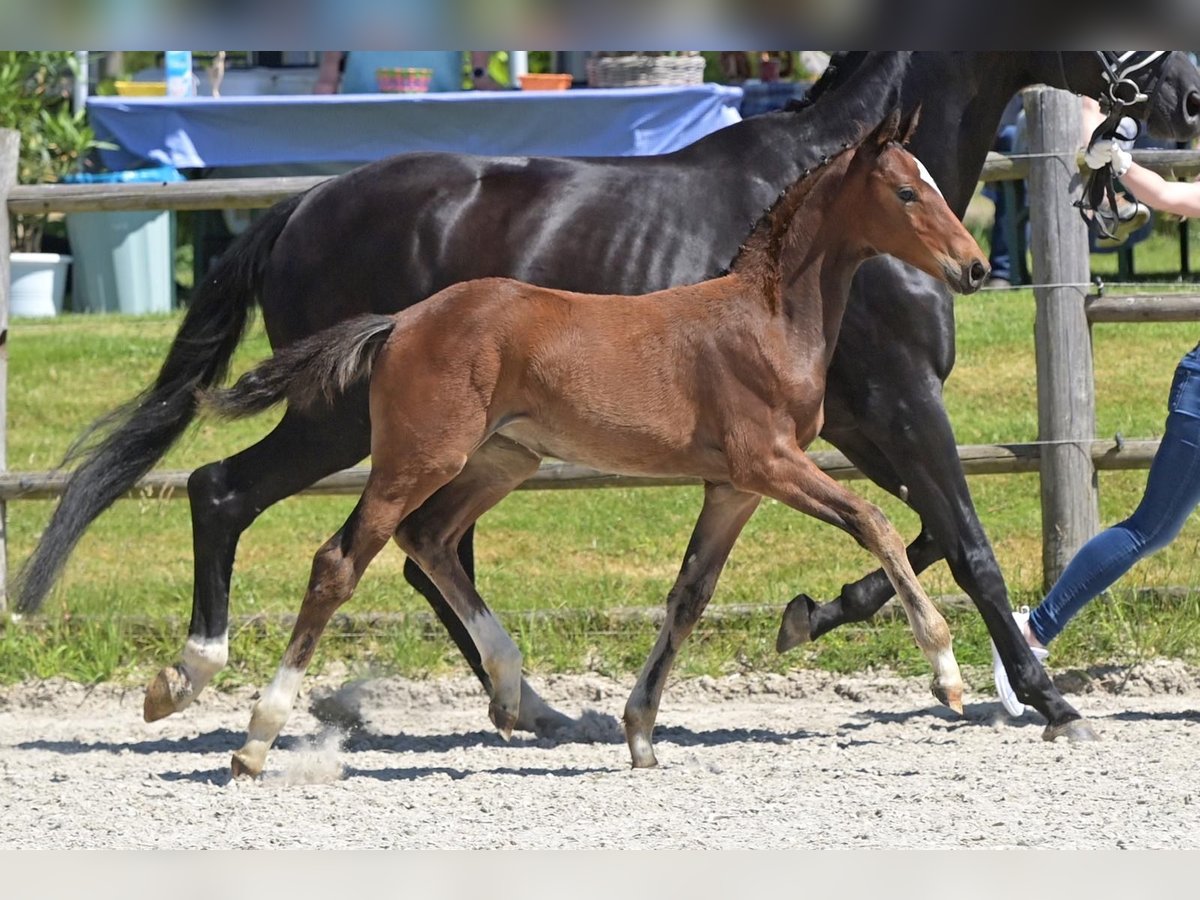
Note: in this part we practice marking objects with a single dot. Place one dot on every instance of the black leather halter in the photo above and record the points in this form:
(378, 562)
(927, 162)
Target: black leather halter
(1120, 92)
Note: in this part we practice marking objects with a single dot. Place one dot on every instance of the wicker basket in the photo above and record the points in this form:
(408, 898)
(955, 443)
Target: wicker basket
(644, 71)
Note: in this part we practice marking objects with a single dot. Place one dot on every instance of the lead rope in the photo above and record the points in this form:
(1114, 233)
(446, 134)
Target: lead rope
(1121, 92)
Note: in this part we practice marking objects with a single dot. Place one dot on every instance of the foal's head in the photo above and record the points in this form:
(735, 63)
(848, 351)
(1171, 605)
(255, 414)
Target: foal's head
(900, 210)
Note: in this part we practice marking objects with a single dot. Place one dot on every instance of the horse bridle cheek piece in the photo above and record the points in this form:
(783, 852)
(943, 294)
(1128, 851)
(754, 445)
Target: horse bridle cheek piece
(1120, 93)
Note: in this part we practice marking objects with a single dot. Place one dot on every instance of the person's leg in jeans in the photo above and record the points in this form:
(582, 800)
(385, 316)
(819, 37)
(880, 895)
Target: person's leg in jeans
(1000, 257)
(1172, 492)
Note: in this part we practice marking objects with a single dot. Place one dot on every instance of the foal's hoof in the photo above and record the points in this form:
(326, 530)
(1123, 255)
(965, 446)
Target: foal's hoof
(641, 752)
(1074, 730)
(169, 692)
(950, 695)
(795, 629)
(244, 766)
(503, 718)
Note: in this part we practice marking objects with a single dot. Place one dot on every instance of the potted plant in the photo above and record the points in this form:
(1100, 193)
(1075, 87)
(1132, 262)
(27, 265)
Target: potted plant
(35, 99)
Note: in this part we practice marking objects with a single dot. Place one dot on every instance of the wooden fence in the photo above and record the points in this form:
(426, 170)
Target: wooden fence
(1067, 455)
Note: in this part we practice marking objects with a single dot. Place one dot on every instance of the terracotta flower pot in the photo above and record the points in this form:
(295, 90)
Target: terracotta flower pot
(545, 81)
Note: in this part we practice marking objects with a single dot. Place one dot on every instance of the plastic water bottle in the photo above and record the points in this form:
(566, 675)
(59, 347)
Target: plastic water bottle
(178, 64)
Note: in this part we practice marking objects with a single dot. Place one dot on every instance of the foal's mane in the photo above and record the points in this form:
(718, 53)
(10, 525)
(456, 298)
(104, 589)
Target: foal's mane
(759, 257)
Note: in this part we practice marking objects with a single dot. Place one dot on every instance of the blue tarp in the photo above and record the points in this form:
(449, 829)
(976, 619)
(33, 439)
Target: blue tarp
(151, 175)
(354, 128)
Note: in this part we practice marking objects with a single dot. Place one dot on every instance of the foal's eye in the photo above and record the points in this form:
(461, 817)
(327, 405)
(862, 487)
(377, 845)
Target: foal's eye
(907, 194)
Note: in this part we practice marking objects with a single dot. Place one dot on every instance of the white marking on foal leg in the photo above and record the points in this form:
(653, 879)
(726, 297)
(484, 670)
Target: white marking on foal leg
(270, 713)
(927, 177)
(502, 661)
(947, 680)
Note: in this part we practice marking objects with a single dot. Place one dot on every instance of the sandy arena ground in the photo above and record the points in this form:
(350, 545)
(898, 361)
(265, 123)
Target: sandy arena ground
(809, 760)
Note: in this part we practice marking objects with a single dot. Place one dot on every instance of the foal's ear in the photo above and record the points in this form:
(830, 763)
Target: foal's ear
(887, 130)
(909, 128)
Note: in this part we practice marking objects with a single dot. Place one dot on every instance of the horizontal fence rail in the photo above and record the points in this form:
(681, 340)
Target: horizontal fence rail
(1143, 308)
(977, 459)
(256, 193)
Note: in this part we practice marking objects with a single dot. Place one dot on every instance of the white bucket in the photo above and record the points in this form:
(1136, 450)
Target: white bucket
(39, 282)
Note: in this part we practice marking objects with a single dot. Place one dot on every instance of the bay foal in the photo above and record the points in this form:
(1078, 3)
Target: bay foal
(721, 380)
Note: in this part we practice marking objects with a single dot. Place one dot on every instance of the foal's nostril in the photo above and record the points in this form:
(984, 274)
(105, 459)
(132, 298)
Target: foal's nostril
(977, 273)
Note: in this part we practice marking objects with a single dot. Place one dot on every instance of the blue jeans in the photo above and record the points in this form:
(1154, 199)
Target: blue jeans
(1172, 492)
(1000, 258)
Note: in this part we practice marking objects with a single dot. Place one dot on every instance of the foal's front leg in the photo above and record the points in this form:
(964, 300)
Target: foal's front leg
(726, 511)
(793, 478)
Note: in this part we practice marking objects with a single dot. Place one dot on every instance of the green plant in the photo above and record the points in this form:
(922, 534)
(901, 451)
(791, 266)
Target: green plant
(35, 99)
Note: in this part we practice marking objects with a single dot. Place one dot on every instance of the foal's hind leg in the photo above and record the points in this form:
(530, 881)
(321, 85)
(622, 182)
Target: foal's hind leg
(336, 570)
(725, 513)
(438, 527)
(793, 478)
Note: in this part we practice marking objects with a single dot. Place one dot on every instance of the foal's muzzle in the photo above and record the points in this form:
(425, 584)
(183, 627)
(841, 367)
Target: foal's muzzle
(969, 278)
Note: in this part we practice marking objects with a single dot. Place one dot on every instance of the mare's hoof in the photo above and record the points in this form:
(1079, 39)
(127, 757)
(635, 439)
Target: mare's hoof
(546, 724)
(949, 695)
(167, 693)
(538, 716)
(503, 718)
(1074, 730)
(795, 629)
(242, 766)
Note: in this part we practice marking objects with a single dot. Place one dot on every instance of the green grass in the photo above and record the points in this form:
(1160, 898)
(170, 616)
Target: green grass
(561, 566)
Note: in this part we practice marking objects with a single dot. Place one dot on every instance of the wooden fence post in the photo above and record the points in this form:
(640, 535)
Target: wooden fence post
(10, 148)
(1065, 389)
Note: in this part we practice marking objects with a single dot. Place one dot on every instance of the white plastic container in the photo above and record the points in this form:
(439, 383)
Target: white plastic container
(39, 281)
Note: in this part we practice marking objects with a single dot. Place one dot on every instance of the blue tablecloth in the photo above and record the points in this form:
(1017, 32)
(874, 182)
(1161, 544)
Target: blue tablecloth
(356, 128)
(763, 97)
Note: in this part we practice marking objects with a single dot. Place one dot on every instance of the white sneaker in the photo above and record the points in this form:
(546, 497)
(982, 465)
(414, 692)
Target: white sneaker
(1003, 689)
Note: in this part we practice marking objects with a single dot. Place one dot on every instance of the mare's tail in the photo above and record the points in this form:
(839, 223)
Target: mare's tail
(320, 367)
(120, 447)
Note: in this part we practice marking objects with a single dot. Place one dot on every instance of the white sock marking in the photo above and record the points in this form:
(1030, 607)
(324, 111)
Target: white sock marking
(203, 658)
(275, 705)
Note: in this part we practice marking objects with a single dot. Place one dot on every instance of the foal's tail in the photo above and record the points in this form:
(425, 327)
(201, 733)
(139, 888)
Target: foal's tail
(121, 447)
(320, 367)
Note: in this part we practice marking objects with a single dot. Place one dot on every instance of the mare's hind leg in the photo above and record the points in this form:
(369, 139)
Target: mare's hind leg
(336, 570)
(228, 495)
(793, 478)
(725, 513)
(438, 528)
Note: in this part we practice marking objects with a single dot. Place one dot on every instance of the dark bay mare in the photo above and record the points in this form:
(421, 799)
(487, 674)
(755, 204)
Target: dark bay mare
(391, 233)
(722, 380)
